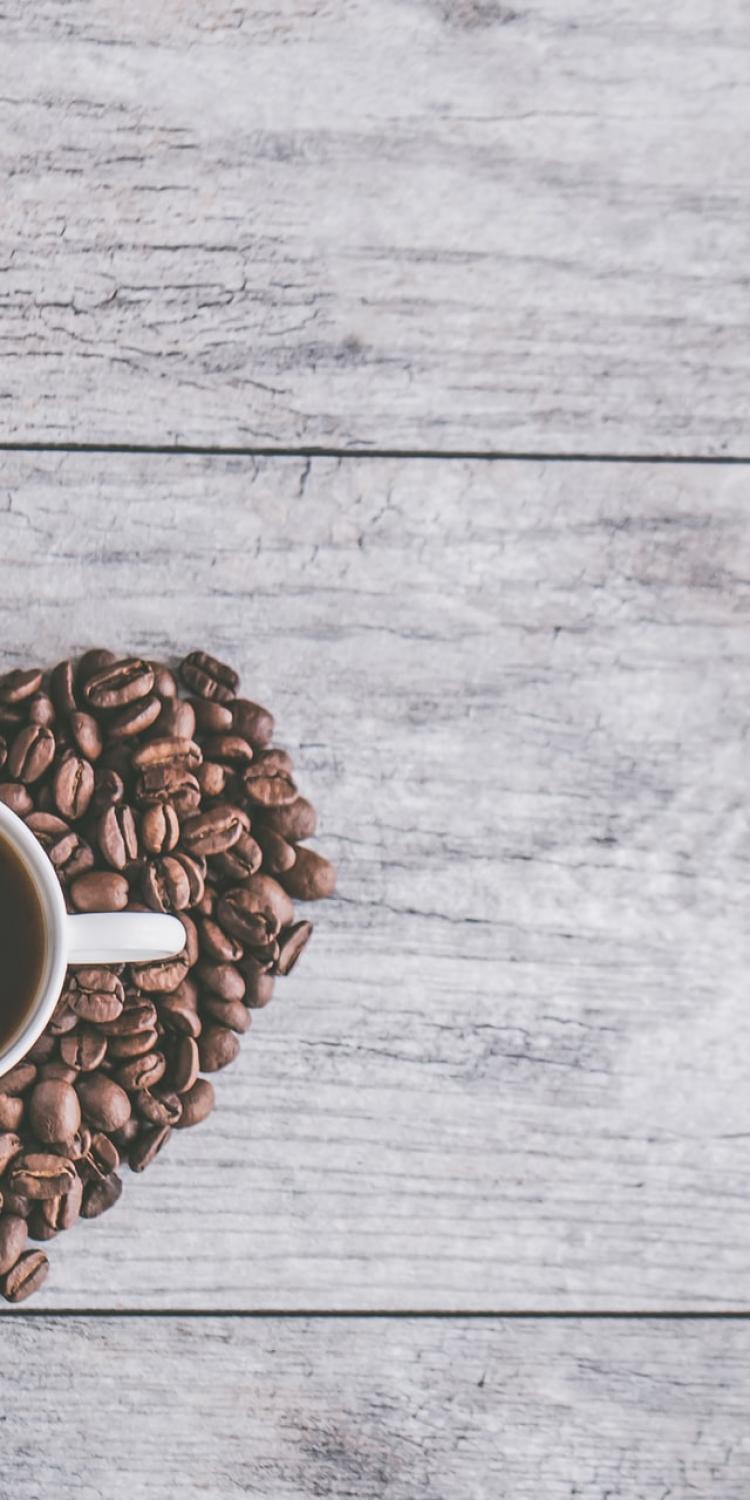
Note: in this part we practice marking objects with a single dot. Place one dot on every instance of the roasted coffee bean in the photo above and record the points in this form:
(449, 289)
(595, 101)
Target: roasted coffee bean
(39, 1174)
(161, 1108)
(117, 836)
(135, 719)
(166, 783)
(62, 687)
(231, 1013)
(228, 747)
(32, 753)
(179, 1012)
(213, 831)
(17, 1080)
(105, 1104)
(42, 1050)
(160, 828)
(10, 1146)
(11, 719)
(162, 977)
(252, 722)
(11, 1113)
(57, 1214)
(15, 1204)
(121, 1048)
(212, 717)
(165, 682)
(185, 1065)
(212, 779)
(17, 798)
(222, 979)
(100, 1195)
(209, 678)
(138, 1015)
(259, 985)
(168, 751)
(206, 907)
(266, 788)
(297, 820)
(217, 944)
(75, 1148)
(278, 854)
(92, 661)
(109, 789)
(176, 718)
(41, 710)
(58, 1070)
(101, 1157)
(311, 877)
(73, 786)
(84, 1050)
(260, 906)
(95, 994)
(63, 1019)
(99, 890)
(142, 1072)
(195, 870)
(86, 735)
(147, 1147)
(54, 1112)
(119, 683)
(217, 1048)
(165, 884)
(292, 943)
(20, 684)
(191, 938)
(197, 1104)
(242, 860)
(28, 1274)
(14, 1236)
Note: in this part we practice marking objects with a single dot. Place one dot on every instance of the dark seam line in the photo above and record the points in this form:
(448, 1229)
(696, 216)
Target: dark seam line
(451, 456)
(422, 1315)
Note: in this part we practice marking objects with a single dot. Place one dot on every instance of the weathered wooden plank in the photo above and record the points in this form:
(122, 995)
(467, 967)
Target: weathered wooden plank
(367, 1410)
(437, 224)
(512, 1071)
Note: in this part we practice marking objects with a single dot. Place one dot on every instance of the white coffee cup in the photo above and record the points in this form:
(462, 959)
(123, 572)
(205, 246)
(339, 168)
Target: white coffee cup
(92, 938)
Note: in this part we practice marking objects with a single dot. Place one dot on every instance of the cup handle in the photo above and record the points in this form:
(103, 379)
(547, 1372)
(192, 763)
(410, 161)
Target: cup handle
(123, 937)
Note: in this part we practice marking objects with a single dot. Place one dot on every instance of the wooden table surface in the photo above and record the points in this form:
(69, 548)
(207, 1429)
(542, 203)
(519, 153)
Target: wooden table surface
(399, 352)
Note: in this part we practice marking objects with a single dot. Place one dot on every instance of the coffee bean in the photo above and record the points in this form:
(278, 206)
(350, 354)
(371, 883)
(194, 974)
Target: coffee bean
(98, 1196)
(42, 1050)
(231, 1013)
(217, 944)
(105, 1104)
(137, 1017)
(86, 734)
(259, 985)
(161, 1108)
(191, 938)
(63, 1019)
(176, 718)
(297, 820)
(212, 717)
(14, 1236)
(255, 911)
(75, 1148)
(62, 684)
(231, 748)
(160, 828)
(195, 870)
(99, 891)
(17, 798)
(73, 785)
(252, 722)
(17, 1080)
(278, 854)
(311, 877)
(20, 684)
(147, 1147)
(10, 1146)
(209, 678)
(292, 943)
(162, 977)
(11, 1112)
(169, 751)
(167, 783)
(117, 836)
(15, 1204)
(83, 1050)
(28, 1274)
(222, 979)
(217, 1047)
(242, 860)
(121, 1048)
(185, 1065)
(197, 1104)
(119, 683)
(212, 779)
(165, 884)
(58, 1070)
(95, 994)
(178, 1012)
(165, 682)
(135, 719)
(41, 710)
(32, 753)
(102, 1157)
(54, 1111)
(41, 1175)
(109, 789)
(267, 787)
(142, 1072)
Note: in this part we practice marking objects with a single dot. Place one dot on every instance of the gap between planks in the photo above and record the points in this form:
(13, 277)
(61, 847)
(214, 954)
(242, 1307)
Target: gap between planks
(460, 455)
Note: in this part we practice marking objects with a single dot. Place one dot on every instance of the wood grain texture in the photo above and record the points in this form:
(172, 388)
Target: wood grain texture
(424, 224)
(512, 1071)
(378, 1410)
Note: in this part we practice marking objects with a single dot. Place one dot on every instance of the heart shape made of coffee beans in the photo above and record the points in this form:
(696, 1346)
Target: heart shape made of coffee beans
(149, 790)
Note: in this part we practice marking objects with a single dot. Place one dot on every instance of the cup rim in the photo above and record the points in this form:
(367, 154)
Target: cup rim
(52, 903)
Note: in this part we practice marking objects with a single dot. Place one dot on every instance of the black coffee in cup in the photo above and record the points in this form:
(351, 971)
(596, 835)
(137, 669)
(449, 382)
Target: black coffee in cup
(22, 942)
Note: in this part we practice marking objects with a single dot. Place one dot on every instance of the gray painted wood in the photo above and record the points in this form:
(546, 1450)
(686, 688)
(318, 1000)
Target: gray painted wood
(379, 1410)
(429, 224)
(511, 1072)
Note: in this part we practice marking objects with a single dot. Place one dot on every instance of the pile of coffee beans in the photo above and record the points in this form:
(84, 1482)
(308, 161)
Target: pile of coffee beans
(145, 797)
